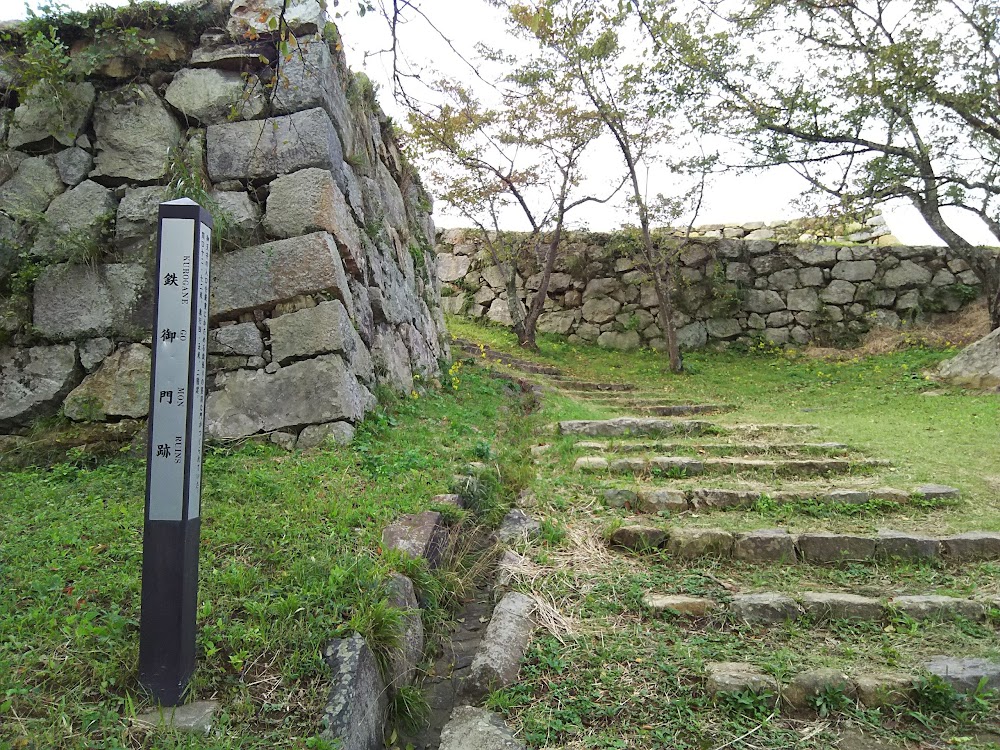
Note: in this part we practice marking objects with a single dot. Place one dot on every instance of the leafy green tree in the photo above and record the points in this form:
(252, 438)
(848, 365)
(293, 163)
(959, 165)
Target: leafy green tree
(600, 47)
(867, 100)
(523, 154)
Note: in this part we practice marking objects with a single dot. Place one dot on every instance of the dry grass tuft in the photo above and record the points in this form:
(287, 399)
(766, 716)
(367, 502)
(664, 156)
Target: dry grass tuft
(953, 330)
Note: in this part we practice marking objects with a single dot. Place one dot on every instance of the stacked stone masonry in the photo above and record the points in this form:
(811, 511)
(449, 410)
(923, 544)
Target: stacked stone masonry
(325, 288)
(744, 284)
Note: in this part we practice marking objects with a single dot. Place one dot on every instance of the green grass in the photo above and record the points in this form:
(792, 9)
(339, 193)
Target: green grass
(613, 675)
(289, 559)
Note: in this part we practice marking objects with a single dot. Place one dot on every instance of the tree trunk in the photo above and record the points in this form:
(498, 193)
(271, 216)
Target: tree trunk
(985, 263)
(662, 280)
(538, 303)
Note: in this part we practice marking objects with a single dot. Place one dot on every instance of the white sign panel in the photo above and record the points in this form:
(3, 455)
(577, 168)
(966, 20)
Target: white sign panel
(178, 381)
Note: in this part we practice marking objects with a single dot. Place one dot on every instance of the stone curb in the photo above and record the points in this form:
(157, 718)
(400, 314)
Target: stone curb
(653, 427)
(710, 498)
(777, 545)
(734, 448)
(772, 608)
(357, 707)
(872, 690)
(687, 466)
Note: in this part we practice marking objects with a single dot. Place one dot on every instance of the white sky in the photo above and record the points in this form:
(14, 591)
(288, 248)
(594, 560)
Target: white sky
(765, 196)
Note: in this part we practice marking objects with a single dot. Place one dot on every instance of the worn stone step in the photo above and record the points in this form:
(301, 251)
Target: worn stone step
(872, 689)
(491, 355)
(717, 449)
(652, 427)
(677, 410)
(572, 385)
(773, 608)
(655, 499)
(813, 547)
(679, 466)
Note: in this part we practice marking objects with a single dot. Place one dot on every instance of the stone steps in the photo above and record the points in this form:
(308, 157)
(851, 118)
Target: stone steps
(685, 466)
(676, 410)
(872, 689)
(572, 385)
(654, 499)
(485, 352)
(810, 547)
(775, 608)
(652, 427)
(719, 449)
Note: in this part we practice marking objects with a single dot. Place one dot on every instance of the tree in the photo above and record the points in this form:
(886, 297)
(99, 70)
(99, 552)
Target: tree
(882, 99)
(525, 153)
(611, 67)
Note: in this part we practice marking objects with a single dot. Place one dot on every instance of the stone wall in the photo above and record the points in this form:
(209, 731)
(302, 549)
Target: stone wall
(735, 284)
(323, 284)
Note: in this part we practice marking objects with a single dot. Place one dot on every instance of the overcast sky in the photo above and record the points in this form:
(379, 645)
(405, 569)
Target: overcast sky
(764, 196)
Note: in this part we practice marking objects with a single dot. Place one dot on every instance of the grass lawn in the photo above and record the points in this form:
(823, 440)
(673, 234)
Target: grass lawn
(608, 673)
(289, 559)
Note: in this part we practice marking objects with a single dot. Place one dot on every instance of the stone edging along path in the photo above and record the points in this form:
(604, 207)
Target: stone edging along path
(687, 466)
(778, 546)
(482, 659)
(872, 690)
(655, 500)
(770, 608)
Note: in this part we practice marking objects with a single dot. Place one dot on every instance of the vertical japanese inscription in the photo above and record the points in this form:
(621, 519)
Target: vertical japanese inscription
(178, 387)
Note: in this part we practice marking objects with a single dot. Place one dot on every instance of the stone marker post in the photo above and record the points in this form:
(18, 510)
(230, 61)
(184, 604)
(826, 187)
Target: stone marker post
(173, 463)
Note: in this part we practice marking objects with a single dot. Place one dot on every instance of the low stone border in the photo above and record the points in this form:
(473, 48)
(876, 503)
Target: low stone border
(777, 545)
(872, 690)
(772, 608)
(733, 448)
(686, 466)
(708, 498)
(652, 427)
(357, 706)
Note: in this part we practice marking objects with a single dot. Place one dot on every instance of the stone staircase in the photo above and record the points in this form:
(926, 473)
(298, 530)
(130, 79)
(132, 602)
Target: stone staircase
(666, 478)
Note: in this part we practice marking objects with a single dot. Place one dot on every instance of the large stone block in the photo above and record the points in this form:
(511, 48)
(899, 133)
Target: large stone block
(966, 675)
(837, 606)
(692, 543)
(119, 388)
(499, 657)
(310, 201)
(135, 134)
(978, 365)
(135, 225)
(807, 687)
(765, 545)
(477, 729)
(764, 608)
(763, 301)
(404, 658)
(820, 547)
(419, 535)
(243, 340)
(75, 222)
(30, 189)
(261, 149)
(972, 546)
(211, 96)
(41, 119)
(906, 274)
(356, 708)
(323, 329)
(33, 382)
(452, 267)
(73, 302)
(277, 271)
(250, 18)
(855, 270)
(310, 392)
(392, 360)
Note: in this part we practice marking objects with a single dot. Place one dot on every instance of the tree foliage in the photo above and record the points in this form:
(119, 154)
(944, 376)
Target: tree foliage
(524, 152)
(868, 100)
